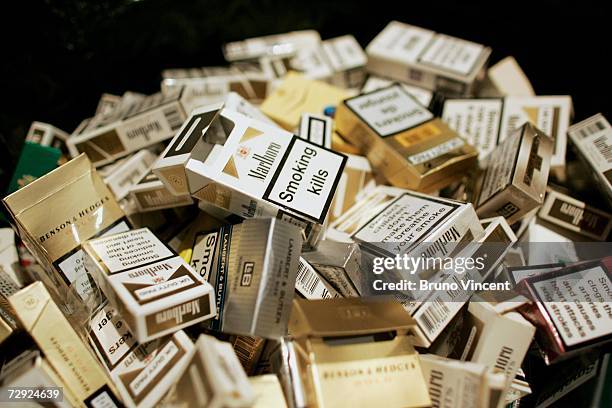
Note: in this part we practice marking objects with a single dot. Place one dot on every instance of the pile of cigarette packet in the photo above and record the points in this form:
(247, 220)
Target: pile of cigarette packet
(314, 225)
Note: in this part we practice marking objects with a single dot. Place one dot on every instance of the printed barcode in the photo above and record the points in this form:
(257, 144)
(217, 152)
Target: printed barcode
(173, 117)
(245, 348)
(434, 315)
(7, 286)
(308, 279)
(592, 128)
(605, 149)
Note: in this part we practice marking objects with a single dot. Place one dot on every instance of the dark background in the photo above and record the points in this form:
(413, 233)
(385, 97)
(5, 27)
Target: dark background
(58, 57)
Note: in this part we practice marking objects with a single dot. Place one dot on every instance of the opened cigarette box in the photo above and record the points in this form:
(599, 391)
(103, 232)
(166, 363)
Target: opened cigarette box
(211, 85)
(56, 213)
(195, 140)
(403, 140)
(264, 171)
(153, 289)
(499, 341)
(48, 135)
(428, 59)
(435, 310)
(339, 61)
(454, 383)
(379, 352)
(107, 103)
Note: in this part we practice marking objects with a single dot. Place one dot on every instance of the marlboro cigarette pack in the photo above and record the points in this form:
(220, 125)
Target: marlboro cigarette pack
(196, 138)
(262, 170)
(131, 128)
(143, 372)
(154, 290)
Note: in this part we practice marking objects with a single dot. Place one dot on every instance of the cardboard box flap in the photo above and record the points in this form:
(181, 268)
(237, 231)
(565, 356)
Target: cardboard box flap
(48, 184)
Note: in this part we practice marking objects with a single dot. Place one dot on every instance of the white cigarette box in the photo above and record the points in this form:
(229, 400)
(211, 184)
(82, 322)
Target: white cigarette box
(143, 373)
(262, 170)
(457, 384)
(486, 122)
(347, 60)
(154, 290)
(211, 85)
(129, 173)
(499, 341)
(252, 267)
(47, 135)
(150, 194)
(339, 61)
(593, 139)
(132, 127)
(214, 377)
(428, 59)
(195, 140)
(412, 219)
(506, 78)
